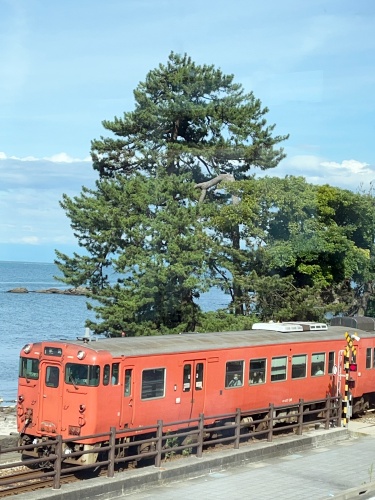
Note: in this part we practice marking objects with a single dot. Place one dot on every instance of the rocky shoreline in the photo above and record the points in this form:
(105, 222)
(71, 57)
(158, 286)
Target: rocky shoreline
(81, 290)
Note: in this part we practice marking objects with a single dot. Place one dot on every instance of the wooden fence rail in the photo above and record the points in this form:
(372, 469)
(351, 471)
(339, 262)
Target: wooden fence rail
(189, 439)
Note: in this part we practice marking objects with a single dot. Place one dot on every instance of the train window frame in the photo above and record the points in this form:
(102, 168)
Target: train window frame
(52, 376)
(257, 371)
(81, 374)
(128, 376)
(331, 362)
(106, 374)
(369, 362)
(115, 374)
(232, 368)
(282, 375)
(318, 366)
(28, 368)
(186, 378)
(299, 371)
(157, 392)
(199, 371)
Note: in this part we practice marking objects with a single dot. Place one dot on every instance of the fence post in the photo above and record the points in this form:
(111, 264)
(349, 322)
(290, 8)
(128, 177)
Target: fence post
(327, 412)
(112, 452)
(159, 443)
(57, 463)
(237, 430)
(270, 422)
(200, 435)
(300, 417)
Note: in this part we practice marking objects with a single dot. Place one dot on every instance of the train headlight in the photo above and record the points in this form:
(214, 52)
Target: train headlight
(27, 348)
(20, 399)
(81, 354)
(82, 408)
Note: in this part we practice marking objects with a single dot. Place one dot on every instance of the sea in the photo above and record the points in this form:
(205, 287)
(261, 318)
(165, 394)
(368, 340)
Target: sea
(32, 317)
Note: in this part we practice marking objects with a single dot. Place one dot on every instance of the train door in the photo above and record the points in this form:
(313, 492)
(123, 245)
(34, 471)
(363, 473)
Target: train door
(127, 413)
(193, 389)
(51, 379)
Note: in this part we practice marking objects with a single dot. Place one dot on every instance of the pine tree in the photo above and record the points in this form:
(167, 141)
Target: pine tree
(166, 177)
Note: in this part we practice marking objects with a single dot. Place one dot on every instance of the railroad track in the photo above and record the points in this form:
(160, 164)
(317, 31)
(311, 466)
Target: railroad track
(26, 480)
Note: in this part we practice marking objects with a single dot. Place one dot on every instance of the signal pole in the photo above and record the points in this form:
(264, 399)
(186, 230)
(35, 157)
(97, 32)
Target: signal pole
(349, 365)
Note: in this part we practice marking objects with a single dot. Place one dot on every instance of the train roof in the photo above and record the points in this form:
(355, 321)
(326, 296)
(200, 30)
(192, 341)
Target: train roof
(194, 342)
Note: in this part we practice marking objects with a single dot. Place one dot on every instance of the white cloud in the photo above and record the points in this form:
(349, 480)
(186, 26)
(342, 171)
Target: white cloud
(30, 191)
(349, 174)
(303, 162)
(349, 166)
(57, 158)
(64, 158)
(29, 240)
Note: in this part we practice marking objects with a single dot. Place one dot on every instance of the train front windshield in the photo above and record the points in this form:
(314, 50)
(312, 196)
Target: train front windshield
(80, 374)
(29, 368)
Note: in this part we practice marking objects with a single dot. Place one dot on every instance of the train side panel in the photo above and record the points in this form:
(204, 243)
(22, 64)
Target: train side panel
(77, 389)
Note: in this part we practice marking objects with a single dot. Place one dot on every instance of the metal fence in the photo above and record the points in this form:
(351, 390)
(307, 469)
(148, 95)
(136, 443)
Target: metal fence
(190, 439)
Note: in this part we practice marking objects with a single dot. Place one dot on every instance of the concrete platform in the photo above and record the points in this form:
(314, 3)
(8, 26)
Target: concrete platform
(362, 426)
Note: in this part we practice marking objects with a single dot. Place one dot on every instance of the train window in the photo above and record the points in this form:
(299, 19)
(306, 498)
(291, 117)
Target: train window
(153, 383)
(106, 374)
(299, 363)
(318, 364)
(77, 374)
(278, 368)
(257, 371)
(186, 383)
(368, 357)
(234, 374)
(115, 373)
(52, 376)
(128, 382)
(199, 376)
(331, 361)
(29, 368)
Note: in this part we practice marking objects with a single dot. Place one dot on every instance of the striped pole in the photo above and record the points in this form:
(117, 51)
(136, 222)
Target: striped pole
(345, 401)
(350, 348)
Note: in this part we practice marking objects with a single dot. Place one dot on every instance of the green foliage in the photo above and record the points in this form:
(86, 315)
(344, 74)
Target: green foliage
(177, 209)
(223, 321)
(307, 258)
(189, 118)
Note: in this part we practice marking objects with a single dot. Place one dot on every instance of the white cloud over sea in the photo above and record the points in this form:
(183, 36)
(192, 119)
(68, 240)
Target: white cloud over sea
(31, 216)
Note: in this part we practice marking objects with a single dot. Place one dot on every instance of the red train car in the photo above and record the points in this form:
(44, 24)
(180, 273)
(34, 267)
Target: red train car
(84, 388)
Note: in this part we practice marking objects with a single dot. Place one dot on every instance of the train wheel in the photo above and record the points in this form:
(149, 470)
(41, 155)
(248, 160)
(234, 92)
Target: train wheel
(262, 425)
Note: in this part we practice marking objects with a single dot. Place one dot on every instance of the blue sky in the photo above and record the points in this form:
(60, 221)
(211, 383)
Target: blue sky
(66, 66)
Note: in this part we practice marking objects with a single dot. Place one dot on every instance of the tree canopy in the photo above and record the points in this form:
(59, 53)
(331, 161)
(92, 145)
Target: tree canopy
(177, 209)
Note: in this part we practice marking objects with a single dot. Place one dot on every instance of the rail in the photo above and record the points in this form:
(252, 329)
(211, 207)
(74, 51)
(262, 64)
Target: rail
(157, 442)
